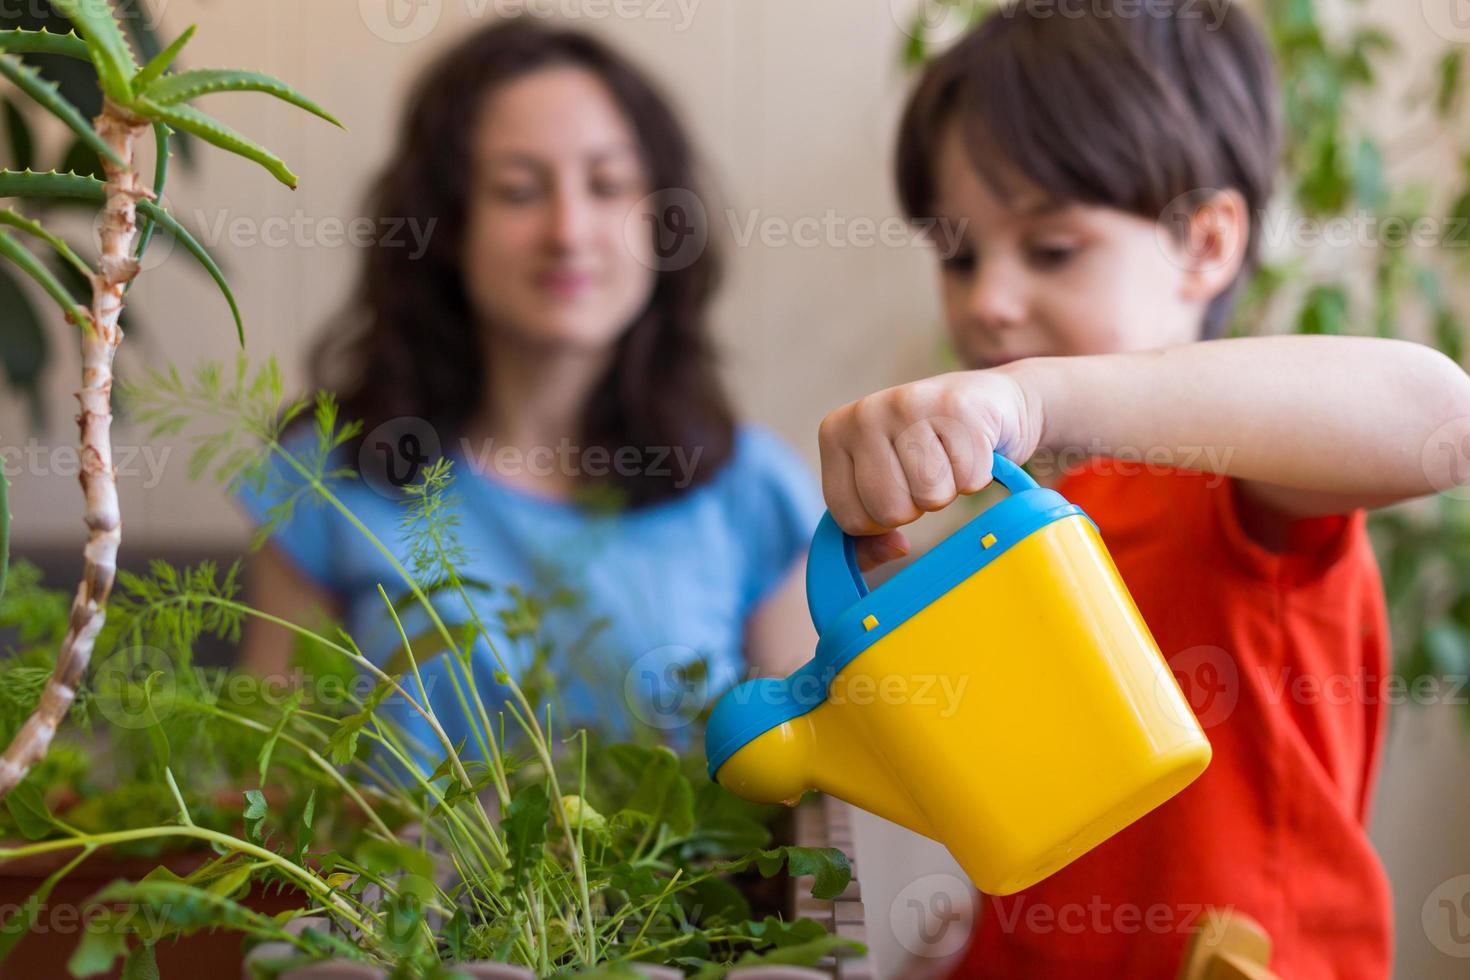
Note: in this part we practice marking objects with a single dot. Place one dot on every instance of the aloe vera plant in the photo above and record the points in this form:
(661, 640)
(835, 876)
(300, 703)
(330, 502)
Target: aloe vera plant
(136, 99)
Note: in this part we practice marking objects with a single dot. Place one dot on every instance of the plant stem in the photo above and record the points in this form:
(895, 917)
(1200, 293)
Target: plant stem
(116, 267)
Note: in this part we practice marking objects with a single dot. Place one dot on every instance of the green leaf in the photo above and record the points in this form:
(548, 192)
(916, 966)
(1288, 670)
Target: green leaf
(1449, 334)
(829, 867)
(662, 792)
(31, 185)
(1324, 311)
(29, 811)
(807, 953)
(383, 857)
(35, 228)
(31, 266)
(1447, 89)
(211, 130)
(724, 824)
(99, 949)
(1368, 184)
(525, 830)
(44, 42)
(263, 758)
(110, 52)
(1323, 186)
(162, 61)
(190, 85)
(18, 133)
(255, 811)
(46, 94)
(160, 177)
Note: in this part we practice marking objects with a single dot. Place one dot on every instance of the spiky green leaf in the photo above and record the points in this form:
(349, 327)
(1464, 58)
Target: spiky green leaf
(190, 85)
(44, 42)
(111, 55)
(31, 266)
(29, 81)
(211, 130)
(160, 178)
(31, 227)
(161, 62)
(28, 184)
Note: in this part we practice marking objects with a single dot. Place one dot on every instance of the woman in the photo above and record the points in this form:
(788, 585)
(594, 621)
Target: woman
(558, 353)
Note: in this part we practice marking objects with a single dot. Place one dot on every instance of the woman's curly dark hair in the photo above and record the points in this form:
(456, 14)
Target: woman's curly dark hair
(409, 343)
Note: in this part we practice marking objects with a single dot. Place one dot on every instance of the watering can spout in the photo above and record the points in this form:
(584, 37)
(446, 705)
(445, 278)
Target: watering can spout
(818, 750)
(1001, 695)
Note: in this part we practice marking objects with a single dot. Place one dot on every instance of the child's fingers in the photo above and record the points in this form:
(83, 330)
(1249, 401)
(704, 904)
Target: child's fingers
(928, 465)
(839, 487)
(876, 549)
(883, 487)
(969, 456)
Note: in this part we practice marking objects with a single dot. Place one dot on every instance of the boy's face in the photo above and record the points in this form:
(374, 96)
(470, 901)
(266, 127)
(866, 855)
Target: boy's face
(1027, 277)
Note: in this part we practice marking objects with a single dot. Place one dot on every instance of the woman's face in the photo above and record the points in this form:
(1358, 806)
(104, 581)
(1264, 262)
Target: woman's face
(556, 173)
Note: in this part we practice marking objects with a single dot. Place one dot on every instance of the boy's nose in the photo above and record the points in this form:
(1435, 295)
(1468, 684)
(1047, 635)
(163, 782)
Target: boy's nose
(997, 300)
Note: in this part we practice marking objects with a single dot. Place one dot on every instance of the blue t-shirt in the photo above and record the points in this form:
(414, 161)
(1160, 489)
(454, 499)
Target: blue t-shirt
(642, 612)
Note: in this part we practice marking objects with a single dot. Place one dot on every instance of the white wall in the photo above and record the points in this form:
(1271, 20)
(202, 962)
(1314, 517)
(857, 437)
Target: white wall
(793, 104)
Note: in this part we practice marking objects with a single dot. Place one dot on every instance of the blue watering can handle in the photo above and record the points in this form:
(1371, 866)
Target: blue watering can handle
(833, 580)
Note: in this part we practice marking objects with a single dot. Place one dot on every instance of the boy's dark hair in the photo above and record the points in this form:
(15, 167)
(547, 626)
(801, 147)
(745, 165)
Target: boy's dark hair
(1131, 104)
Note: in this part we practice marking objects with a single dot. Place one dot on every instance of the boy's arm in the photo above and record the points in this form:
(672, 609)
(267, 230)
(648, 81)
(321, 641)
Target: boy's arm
(1309, 425)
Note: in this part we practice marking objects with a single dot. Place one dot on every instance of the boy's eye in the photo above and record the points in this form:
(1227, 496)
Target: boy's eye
(960, 263)
(1052, 256)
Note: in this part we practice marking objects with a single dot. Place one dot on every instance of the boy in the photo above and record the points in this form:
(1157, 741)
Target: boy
(1102, 165)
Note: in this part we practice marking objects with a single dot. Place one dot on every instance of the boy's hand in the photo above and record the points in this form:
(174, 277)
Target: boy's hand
(890, 457)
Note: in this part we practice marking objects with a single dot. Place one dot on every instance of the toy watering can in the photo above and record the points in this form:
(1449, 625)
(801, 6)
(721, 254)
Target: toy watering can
(1000, 695)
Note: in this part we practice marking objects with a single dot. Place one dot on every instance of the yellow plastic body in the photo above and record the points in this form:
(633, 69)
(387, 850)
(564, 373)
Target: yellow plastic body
(1020, 719)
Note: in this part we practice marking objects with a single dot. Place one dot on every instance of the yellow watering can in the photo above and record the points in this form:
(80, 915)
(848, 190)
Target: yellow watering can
(1000, 695)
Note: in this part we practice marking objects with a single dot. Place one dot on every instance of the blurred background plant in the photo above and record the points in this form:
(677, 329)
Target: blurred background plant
(1347, 137)
(25, 343)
